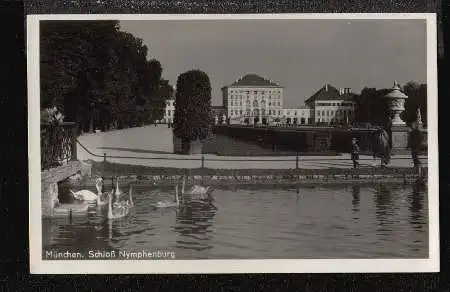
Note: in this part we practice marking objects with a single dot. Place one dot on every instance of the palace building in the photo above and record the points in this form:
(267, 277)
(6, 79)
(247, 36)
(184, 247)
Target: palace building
(255, 100)
(252, 99)
(332, 106)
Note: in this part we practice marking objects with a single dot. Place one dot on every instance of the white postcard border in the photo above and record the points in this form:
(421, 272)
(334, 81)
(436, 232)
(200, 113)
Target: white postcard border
(39, 266)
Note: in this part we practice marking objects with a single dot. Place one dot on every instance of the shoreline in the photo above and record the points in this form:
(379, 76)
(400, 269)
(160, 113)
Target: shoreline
(145, 175)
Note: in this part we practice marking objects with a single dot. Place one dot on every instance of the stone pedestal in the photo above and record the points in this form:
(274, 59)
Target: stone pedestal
(399, 139)
(193, 147)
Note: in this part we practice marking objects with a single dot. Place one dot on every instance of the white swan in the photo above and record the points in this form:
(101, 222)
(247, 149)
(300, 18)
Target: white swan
(130, 197)
(84, 195)
(125, 202)
(196, 191)
(102, 197)
(169, 204)
(199, 190)
(118, 191)
(120, 209)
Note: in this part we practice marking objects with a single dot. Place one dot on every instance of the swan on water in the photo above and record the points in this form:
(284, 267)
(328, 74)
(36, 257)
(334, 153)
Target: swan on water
(119, 209)
(168, 204)
(102, 197)
(199, 192)
(122, 202)
(118, 191)
(130, 202)
(84, 195)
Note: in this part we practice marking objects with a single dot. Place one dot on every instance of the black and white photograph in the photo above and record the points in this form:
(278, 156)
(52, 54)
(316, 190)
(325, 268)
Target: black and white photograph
(290, 143)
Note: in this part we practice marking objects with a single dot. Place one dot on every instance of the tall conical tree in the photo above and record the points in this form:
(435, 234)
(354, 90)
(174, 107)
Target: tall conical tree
(192, 120)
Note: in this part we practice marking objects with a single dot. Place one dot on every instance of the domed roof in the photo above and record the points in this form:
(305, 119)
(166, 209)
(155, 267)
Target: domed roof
(396, 92)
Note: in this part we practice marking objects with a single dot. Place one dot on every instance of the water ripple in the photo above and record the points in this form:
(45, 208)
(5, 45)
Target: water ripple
(321, 222)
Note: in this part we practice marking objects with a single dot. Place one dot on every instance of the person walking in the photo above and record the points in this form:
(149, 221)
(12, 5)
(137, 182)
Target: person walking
(381, 147)
(415, 144)
(355, 153)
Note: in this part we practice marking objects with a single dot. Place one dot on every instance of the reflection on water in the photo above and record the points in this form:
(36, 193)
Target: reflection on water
(375, 221)
(356, 190)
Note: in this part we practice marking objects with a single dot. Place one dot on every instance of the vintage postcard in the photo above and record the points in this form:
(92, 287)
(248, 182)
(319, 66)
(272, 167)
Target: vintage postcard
(278, 143)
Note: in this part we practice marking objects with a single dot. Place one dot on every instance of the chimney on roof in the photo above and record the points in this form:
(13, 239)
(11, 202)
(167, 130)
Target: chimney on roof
(326, 87)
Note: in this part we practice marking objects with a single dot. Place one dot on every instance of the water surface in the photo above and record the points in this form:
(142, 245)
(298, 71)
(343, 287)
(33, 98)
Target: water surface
(260, 222)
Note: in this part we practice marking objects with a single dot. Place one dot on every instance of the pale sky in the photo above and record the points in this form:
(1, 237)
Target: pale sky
(300, 55)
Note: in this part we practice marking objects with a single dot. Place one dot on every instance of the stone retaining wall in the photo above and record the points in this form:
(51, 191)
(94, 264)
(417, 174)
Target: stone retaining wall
(50, 179)
(394, 177)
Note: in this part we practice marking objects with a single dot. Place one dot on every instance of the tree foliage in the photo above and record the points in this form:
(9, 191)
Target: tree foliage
(372, 106)
(417, 98)
(192, 118)
(97, 75)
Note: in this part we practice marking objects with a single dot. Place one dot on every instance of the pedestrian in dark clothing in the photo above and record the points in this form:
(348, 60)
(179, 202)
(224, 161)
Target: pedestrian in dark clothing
(415, 144)
(381, 147)
(355, 153)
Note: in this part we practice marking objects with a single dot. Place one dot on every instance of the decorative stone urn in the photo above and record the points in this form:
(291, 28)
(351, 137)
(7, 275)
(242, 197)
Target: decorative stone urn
(224, 119)
(399, 130)
(396, 104)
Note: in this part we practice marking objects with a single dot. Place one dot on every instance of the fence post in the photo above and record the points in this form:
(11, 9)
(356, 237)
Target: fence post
(104, 157)
(73, 150)
(296, 161)
(203, 161)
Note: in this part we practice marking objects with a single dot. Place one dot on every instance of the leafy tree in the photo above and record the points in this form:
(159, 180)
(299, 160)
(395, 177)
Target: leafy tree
(372, 107)
(192, 118)
(98, 75)
(417, 98)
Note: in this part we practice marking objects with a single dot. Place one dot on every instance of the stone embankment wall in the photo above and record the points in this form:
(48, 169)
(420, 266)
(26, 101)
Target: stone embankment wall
(283, 177)
(73, 170)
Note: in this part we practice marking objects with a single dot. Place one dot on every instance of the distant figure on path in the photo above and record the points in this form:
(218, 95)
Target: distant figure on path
(355, 153)
(381, 147)
(415, 144)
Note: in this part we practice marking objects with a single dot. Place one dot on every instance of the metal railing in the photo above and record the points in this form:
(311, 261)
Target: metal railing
(202, 158)
(58, 144)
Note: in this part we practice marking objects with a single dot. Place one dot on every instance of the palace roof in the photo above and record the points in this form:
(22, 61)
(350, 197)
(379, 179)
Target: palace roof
(253, 80)
(328, 92)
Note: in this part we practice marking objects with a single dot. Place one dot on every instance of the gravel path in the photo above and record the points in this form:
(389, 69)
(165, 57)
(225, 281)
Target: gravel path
(156, 142)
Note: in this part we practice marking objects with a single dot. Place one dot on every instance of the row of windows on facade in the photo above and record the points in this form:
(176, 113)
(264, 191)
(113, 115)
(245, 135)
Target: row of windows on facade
(331, 120)
(256, 112)
(255, 103)
(327, 113)
(332, 113)
(270, 97)
(352, 104)
(262, 92)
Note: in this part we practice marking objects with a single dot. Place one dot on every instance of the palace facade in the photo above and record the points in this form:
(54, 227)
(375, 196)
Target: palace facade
(255, 100)
(252, 99)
